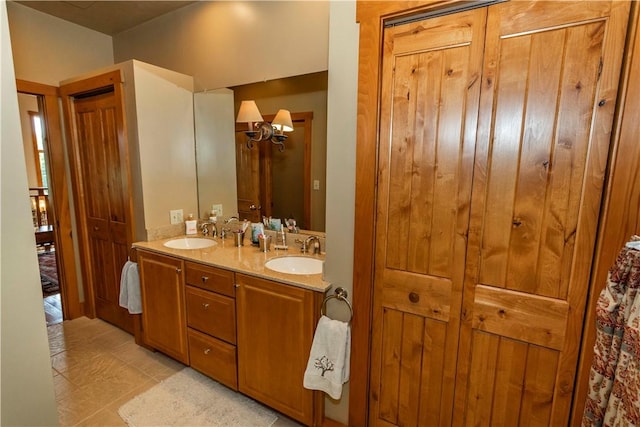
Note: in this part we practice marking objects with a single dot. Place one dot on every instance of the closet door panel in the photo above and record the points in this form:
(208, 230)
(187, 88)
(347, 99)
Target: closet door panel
(428, 120)
(543, 135)
(538, 159)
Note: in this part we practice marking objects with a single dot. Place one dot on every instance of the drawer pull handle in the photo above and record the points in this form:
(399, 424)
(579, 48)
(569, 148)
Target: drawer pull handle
(414, 297)
(205, 305)
(204, 279)
(207, 351)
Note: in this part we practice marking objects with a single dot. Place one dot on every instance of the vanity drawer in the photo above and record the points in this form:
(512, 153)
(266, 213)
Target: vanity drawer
(211, 313)
(214, 358)
(210, 278)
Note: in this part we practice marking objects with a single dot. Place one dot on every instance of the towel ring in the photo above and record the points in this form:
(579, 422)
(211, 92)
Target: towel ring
(340, 294)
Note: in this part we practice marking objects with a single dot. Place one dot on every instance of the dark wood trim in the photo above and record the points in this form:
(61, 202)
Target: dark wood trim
(34, 88)
(60, 194)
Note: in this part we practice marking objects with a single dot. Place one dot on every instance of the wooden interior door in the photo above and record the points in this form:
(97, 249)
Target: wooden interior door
(430, 94)
(548, 96)
(100, 165)
(249, 181)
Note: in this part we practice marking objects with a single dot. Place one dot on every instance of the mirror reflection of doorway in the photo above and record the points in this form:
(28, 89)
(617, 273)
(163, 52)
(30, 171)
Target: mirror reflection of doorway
(275, 183)
(34, 133)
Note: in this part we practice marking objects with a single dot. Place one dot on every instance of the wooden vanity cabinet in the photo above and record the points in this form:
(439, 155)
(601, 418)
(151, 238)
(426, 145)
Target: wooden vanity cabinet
(211, 320)
(250, 334)
(164, 320)
(276, 324)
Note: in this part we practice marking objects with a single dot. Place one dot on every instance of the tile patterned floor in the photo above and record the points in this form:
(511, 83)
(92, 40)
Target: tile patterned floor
(52, 309)
(97, 368)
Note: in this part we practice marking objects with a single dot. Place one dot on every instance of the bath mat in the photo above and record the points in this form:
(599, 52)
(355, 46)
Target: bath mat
(189, 398)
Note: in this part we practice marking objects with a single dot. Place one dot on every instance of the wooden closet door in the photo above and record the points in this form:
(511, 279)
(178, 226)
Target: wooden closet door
(430, 94)
(548, 95)
(104, 196)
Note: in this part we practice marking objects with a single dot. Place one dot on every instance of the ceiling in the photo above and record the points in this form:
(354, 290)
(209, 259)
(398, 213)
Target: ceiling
(108, 17)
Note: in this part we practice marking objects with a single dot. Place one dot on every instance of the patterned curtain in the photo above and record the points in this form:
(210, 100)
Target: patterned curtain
(614, 379)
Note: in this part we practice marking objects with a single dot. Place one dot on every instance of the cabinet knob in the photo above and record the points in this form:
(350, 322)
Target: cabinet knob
(207, 351)
(204, 279)
(414, 297)
(205, 305)
(178, 270)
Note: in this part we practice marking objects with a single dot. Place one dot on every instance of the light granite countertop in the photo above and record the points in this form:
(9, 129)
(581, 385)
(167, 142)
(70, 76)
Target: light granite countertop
(247, 259)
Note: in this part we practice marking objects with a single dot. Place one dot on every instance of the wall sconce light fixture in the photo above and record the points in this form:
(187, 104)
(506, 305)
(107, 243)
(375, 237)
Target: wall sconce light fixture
(259, 130)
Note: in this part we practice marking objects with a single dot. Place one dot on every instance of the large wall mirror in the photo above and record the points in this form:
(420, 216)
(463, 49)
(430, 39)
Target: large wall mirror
(295, 179)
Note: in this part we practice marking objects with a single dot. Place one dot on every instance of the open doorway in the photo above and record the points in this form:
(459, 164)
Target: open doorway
(50, 199)
(36, 158)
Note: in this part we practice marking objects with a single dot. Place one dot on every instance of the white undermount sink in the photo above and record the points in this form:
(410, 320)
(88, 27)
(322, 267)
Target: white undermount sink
(295, 265)
(189, 243)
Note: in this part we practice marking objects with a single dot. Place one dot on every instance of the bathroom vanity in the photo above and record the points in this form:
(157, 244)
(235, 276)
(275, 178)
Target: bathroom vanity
(222, 312)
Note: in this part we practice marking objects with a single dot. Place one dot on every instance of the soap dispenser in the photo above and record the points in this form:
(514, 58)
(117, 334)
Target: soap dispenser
(191, 225)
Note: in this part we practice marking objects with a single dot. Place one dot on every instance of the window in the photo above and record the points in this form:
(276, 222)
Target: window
(38, 148)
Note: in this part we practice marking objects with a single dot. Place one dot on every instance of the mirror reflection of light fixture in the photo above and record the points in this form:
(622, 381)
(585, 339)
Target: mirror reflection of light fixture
(259, 130)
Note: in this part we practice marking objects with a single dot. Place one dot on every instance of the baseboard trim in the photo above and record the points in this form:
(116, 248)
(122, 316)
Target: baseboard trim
(328, 422)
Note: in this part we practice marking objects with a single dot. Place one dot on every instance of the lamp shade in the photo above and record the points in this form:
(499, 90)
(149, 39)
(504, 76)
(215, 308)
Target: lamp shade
(249, 113)
(282, 121)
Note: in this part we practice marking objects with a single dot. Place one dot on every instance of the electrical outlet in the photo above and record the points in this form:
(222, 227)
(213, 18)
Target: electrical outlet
(218, 209)
(176, 216)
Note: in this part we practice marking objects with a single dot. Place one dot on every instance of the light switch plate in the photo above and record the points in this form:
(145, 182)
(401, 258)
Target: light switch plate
(218, 209)
(176, 216)
(316, 184)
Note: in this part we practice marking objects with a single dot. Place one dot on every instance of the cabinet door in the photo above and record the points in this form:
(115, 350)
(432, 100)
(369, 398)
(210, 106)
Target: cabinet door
(275, 331)
(548, 97)
(164, 319)
(430, 95)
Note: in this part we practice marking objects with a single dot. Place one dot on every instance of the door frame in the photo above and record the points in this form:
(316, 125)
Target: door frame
(60, 194)
(68, 92)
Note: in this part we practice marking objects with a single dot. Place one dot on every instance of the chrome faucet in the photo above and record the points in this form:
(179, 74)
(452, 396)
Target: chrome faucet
(224, 231)
(205, 228)
(316, 245)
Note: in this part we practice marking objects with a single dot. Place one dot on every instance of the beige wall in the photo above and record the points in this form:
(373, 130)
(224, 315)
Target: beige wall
(48, 50)
(165, 138)
(227, 43)
(26, 390)
(341, 164)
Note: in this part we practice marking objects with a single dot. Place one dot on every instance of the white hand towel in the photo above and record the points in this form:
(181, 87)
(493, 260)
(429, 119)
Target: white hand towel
(130, 288)
(328, 365)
